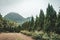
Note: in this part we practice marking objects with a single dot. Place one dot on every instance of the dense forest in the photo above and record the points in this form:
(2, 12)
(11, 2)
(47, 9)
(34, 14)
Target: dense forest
(48, 23)
(45, 27)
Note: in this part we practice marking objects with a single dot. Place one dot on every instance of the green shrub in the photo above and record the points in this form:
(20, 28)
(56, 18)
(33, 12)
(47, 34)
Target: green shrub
(27, 33)
(37, 37)
(45, 36)
(41, 35)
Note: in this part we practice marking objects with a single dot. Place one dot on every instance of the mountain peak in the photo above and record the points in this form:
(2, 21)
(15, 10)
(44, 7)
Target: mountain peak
(14, 17)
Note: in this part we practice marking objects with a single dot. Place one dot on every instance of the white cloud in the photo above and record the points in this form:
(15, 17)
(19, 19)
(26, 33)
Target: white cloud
(26, 8)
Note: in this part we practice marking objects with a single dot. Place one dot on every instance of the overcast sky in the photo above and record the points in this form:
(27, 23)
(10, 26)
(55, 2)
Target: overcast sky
(26, 8)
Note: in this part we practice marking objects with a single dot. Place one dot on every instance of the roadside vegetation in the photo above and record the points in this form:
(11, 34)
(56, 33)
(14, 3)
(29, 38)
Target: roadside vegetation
(40, 35)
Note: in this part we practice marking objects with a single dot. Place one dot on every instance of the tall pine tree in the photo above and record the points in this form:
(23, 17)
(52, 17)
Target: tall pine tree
(50, 18)
(36, 26)
(58, 24)
(41, 19)
(31, 24)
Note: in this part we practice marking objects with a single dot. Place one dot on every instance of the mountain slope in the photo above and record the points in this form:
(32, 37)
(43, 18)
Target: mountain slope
(14, 17)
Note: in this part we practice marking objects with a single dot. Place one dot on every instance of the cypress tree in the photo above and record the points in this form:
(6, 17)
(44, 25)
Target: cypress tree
(41, 19)
(31, 24)
(58, 24)
(36, 27)
(50, 18)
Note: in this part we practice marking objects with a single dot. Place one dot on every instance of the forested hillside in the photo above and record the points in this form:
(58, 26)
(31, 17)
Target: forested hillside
(15, 17)
(12, 16)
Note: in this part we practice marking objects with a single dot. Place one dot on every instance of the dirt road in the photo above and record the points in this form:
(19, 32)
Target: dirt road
(14, 36)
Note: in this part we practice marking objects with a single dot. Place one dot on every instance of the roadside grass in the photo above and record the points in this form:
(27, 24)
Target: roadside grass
(42, 35)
